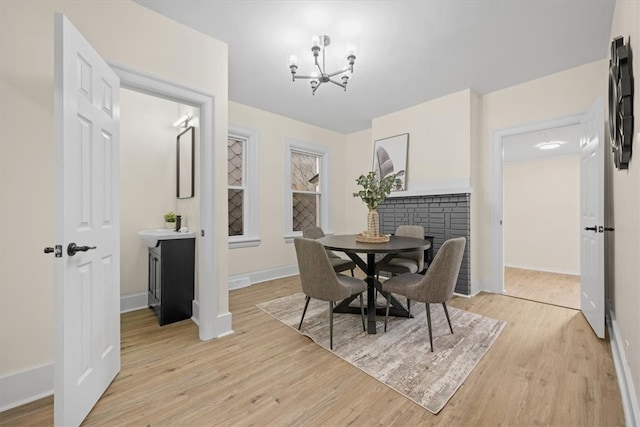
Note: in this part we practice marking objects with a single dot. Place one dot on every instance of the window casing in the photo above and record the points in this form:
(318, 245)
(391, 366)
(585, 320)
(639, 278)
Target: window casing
(242, 191)
(307, 188)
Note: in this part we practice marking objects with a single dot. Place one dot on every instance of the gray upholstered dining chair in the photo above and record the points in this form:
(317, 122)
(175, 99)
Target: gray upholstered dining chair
(319, 280)
(339, 264)
(410, 262)
(435, 286)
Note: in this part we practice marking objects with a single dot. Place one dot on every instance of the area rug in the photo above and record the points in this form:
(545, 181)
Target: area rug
(401, 357)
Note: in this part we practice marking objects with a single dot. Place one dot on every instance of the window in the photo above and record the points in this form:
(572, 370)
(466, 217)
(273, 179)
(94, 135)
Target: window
(242, 155)
(307, 188)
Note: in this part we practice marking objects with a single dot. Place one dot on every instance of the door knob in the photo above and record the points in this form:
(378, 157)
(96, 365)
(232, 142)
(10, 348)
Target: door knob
(594, 229)
(73, 248)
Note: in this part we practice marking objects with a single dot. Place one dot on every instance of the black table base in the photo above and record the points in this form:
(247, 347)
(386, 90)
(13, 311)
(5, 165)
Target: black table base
(372, 268)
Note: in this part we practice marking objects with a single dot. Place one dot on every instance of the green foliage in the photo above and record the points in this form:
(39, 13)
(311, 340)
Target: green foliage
(170, 217)
(376, 190)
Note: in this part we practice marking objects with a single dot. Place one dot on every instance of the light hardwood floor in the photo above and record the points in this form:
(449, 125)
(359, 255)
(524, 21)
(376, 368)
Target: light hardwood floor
(542, 286)
(546, 368)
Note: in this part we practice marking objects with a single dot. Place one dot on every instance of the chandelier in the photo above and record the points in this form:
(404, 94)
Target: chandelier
(319, 43)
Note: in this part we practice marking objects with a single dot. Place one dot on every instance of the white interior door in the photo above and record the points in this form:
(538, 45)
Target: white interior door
(592, 218)
(87, 283)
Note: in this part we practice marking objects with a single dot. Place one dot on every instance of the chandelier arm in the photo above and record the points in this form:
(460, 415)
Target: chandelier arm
(305, 77)
(343, 86)
(313, 91)
(335, 73)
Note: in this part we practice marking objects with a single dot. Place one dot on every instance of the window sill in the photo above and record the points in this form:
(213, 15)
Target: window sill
(244, 242)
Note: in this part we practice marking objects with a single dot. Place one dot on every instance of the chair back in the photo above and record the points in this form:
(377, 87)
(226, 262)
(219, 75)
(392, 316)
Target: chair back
(312, 233)
(316, 233)
(317, 277)
(417, 232)
(439, 281)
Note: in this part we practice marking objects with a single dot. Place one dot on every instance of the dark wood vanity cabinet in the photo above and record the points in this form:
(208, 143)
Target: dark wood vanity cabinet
(171, 279)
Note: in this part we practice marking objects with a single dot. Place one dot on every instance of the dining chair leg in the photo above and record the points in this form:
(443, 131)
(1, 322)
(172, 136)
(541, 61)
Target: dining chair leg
(352, 273)
(429, 325)
(306, 304)
(362, 312)
(446, 312)
(409, 306)
(386, 314)
(331, 325)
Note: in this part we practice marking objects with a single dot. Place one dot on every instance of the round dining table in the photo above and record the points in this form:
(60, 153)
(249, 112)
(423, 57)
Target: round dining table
(374, 263)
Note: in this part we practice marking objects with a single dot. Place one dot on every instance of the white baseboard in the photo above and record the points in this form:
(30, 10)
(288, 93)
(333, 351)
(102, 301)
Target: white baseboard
(625, 381)
(26, 386)
(132, 302)
(243, 280)
(545, 269)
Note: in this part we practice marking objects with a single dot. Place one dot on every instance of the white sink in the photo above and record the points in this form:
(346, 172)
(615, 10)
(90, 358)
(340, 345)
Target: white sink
(151, 237)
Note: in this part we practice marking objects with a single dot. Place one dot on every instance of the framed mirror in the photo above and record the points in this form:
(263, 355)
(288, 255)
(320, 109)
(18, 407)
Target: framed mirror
(184, 164)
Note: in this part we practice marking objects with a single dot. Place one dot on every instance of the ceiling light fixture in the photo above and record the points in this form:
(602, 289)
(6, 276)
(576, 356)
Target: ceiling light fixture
(319, 43)
(552, 145)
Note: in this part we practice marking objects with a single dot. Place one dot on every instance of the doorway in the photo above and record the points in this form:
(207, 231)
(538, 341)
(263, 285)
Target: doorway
(148, 167)
(212, 324)
(537, 218)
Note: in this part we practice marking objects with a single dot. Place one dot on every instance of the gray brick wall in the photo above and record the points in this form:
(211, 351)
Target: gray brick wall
(443, 217)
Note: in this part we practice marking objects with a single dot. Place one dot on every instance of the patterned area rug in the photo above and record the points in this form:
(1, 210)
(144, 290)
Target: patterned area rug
(401, 357)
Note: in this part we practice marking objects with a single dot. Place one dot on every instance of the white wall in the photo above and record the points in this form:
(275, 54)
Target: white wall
(124, 33)
(542, 214)
(273, 252)
(626, 215)
(439, 139)
(147, 167)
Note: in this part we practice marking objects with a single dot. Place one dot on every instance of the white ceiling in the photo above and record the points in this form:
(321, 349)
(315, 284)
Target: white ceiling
(408, 52)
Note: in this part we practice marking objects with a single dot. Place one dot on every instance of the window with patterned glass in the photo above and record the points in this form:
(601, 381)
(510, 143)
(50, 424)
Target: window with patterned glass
(307, 180)
(235, 155)
(242, 155)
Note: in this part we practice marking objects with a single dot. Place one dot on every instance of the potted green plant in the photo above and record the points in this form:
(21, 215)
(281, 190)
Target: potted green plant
(170, 220)
(374, 192)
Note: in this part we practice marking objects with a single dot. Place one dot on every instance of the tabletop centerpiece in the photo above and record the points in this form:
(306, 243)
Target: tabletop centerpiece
(374, 191)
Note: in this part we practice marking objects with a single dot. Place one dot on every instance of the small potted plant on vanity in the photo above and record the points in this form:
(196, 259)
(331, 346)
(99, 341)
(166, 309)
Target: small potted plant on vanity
(170, 220)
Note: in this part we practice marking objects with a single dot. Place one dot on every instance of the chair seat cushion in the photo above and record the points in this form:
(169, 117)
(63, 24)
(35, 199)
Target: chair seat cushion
(403, 284)
(353, 284)
(340, 264)
(399, 265)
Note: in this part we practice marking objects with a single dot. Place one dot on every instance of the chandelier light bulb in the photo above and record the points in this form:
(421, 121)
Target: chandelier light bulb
(293, 60)
(315, 42)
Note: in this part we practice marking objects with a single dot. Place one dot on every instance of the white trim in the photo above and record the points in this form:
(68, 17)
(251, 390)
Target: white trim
(208, 258)
(625, 380)
(436, 188)
(251, 172)
(244, 280)
(545, 269)
(496, 282)
(26, 386)
(132, 302)
(324, 153)
(243, 242)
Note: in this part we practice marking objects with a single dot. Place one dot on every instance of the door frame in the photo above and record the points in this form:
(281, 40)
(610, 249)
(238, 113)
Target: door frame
(210, 324)
(496, 284)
